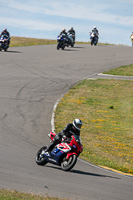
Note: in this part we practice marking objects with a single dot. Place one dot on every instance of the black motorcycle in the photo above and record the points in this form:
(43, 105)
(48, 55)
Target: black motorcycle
(94, 38)
(70, 39)
(62, 41)
(4, 42)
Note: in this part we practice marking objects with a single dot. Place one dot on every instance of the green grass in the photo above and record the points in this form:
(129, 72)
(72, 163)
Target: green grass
(14, 195)
(106, 109)
(122, 71)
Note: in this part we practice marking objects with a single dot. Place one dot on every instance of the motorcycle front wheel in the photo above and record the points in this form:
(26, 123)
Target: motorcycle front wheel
(95, 43)
(63, 47)
(40, 158)
(72, 45)
(58, 45)
(66, 165)
(91, 42)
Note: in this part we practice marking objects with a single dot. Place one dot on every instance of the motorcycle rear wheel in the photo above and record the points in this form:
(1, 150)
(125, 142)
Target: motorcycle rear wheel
(40, 160)
(67, 165)
(72, 44)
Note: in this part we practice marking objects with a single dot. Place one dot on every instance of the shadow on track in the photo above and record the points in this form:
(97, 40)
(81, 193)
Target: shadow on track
(13, 52)
(69, 50)
(91, 174)
(78, 47)
(83, 172)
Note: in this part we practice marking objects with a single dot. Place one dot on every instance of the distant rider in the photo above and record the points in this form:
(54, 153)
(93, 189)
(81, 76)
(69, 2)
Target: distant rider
(95, 31)
(64, 35)
(66, 133)
(94, 34)
(132, 38)
(63, 32)
(5, 32)
(72, 31)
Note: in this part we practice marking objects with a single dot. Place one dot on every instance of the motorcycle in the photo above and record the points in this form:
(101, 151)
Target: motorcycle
(4, 42)
(61, 42)
(64, 154)
(93, 38)
(70, 39)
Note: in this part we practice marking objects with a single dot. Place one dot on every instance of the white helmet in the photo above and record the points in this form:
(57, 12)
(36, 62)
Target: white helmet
(94, 27)
(77, 123)
(5, 30)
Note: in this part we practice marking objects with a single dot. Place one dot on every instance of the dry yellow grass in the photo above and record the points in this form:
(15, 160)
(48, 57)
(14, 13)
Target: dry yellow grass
(23, 41)
(106, 109)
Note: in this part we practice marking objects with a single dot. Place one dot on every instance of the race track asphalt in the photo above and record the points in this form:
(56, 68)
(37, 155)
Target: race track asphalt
(32, 79)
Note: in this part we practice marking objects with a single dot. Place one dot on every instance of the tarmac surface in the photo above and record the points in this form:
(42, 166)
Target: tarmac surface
(32, 79)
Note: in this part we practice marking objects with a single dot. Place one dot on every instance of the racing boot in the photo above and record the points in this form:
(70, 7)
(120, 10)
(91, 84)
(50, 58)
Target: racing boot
(51, 146)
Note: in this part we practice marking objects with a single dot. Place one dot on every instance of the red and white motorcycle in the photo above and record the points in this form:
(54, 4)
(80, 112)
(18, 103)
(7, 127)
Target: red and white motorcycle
(64, 154)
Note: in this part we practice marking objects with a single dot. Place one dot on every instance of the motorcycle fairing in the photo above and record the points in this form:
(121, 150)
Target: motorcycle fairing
(52, 135)
(64, 147)
(70, 154)
(60, 38)
(55, 156)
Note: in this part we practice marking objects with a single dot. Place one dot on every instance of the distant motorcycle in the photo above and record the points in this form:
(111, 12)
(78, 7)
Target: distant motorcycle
(94, 38)
(4, 42)
(70, 39)
(62, 41)
(65, 154)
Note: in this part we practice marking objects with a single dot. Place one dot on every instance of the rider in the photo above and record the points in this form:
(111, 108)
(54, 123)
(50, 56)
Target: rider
(132, 38)
(95, 31)
(64, 35)
(72, 31)
(5, 32)
(63, 32)
(67, 132)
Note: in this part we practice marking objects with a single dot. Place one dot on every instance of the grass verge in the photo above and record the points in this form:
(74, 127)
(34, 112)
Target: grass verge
(106, 109)
(121, 71)
(23, 41)
(14, 195)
